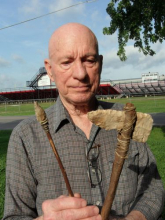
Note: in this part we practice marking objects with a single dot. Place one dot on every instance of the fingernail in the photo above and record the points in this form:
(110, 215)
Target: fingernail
(98, 217)
(96, 210)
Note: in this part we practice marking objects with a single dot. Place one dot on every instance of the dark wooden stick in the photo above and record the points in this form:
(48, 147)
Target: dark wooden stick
(41, 117)
(124, 137)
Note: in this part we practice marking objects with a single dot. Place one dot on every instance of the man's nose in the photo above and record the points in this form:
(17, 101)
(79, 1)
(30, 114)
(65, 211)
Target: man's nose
(79, 71)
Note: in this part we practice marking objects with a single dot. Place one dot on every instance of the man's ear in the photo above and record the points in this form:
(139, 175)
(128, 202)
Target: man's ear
(48, 68)
(101, 62)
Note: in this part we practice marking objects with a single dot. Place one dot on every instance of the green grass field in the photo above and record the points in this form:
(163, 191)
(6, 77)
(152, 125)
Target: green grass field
(146, 105)
(20, 109)
(156, 142)
(4, 138)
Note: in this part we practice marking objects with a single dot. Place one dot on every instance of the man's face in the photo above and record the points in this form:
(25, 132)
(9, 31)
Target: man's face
(75, 67)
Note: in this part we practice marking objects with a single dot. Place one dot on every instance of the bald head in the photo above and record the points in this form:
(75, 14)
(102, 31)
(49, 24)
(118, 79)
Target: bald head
(74, 64)
(71, 32)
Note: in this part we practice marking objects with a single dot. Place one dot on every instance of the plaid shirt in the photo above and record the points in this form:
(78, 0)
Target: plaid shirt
(33, 174)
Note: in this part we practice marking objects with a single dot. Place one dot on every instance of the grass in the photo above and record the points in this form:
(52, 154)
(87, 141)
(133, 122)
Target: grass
(156, 142)
(143, 104)
(4, 137)
(21, 109)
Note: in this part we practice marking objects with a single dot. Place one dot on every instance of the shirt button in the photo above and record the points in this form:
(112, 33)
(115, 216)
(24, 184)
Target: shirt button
(93, 171)
(97, 202)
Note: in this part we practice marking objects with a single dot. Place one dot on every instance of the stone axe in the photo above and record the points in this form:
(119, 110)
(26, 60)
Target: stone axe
(130, 125)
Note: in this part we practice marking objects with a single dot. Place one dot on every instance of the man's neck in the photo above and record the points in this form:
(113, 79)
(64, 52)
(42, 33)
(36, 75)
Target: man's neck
(78, 113)
(79, 109)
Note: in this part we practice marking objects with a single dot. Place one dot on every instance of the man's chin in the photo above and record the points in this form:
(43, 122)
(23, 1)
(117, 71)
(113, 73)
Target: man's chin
(81, 100)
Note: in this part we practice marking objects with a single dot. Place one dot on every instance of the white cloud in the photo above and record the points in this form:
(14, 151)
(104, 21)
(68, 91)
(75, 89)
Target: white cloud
(32, 7)
(4, 63)
(18, 58)
(11, 81)
(29, 43)
(43, 53)
(107, 17)
(6, 81)
(141, 61)
(135, 59)
(108, 42)
(4, 77)
(111, 60)
(95, 16)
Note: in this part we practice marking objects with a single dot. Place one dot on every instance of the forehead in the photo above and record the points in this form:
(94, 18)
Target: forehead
(73, 43)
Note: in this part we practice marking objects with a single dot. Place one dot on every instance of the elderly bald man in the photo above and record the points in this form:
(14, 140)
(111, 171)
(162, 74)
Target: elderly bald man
(75, 66)
(34, 185)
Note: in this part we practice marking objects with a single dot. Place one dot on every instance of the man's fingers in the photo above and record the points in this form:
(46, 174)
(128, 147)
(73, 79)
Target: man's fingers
(88, 212)
(62, 196)
(69, 208)
(77, 195)
(63, 203)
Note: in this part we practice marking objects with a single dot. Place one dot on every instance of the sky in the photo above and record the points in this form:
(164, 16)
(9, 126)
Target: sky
(24, 47)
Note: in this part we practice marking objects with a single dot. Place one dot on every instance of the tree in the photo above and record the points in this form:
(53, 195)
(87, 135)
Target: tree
(140, 20)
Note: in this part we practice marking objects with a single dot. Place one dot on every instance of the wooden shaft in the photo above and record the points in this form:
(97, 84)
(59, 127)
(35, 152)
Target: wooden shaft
(124, 137)
(60, 165)
(42, 118)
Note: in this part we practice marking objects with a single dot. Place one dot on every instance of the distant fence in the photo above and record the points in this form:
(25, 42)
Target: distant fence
(26, 101)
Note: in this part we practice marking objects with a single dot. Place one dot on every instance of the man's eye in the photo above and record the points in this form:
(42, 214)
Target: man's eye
(90, 62)
(66, 63)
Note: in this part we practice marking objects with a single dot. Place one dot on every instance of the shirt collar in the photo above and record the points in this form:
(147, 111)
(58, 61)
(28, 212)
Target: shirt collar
(61, 114)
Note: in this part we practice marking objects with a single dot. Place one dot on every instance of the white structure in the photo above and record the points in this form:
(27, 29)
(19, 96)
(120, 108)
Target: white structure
(150, 77)
(44, 81)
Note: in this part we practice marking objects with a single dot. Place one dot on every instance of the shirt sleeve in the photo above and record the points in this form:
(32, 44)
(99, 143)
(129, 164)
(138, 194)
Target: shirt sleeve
(150, 192)
(20, 196)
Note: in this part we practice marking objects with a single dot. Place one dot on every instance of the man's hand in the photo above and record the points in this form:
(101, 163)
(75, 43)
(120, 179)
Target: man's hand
(68, 208)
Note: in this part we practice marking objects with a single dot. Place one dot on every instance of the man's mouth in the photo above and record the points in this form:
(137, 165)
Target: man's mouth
(81, 88)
